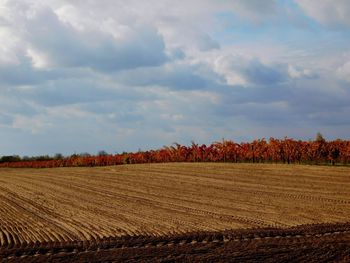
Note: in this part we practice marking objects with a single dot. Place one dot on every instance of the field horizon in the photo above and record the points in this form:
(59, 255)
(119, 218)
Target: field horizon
(287, 150)
(175, 131)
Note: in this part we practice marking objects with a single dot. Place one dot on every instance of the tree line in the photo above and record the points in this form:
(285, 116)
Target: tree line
(285, 150)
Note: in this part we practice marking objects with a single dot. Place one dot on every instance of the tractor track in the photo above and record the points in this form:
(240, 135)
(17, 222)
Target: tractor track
(313, 233)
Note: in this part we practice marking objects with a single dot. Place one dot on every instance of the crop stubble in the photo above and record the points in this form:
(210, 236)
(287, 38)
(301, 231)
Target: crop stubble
(68, 204)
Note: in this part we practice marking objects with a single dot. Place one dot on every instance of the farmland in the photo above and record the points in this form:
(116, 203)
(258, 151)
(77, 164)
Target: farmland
(67, 205)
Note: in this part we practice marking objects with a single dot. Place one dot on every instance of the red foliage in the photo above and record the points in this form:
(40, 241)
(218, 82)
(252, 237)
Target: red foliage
(274, 151)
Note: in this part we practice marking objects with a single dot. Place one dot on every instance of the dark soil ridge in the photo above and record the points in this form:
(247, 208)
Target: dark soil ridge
(198, 244)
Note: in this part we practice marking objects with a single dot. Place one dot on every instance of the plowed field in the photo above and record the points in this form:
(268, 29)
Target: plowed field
(58, 208)
(311, 243)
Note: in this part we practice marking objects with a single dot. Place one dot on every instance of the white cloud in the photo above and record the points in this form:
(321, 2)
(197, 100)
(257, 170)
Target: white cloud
(299, 72)
(9, 47)
(116, 75)
(327, 12)
(39, 59)
(223, 65)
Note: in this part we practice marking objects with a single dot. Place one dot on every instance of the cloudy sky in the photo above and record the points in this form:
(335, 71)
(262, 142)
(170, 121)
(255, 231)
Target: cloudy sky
(114, 75)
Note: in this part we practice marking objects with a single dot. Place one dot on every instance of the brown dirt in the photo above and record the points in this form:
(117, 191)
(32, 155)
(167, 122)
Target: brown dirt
(87, 204)
(312, 243)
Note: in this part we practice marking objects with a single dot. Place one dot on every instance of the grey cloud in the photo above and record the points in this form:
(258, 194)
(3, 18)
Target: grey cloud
(68, 91)
(6, 119)
(13, 104)
(118, 110)
(303, 102)
(257, 93)
(205, 42)
(253, 71)
(319, 103)
(178, 77)
(59, 87)
(68, 47)
(260, 74)
(264, 114)
(22, 74)
(256, 9)
(177, 54)
(159, 82)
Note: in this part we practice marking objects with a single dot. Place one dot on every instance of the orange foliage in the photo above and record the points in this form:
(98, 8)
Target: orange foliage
(273, 151)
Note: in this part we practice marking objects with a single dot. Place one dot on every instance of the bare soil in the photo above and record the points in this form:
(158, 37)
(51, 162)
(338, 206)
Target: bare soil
(74, 212)
(312, 243)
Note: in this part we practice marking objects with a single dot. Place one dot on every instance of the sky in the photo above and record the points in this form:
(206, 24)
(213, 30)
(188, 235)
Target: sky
(90, 75)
